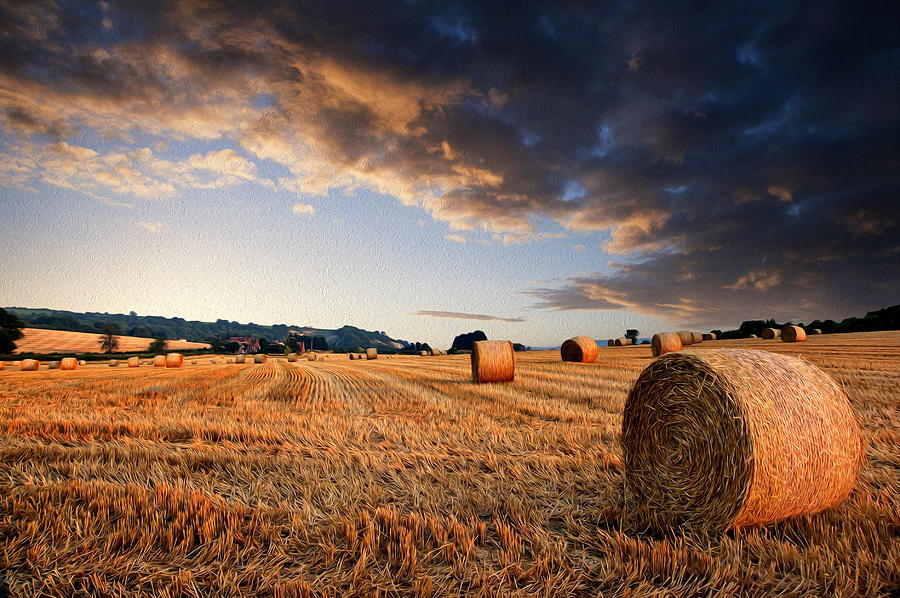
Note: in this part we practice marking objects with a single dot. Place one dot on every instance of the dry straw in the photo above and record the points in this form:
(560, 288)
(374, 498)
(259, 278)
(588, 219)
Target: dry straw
(727, 438)
(134, 362)
(311, 357)
(622, 341)
(82, 362)
(240, 359)
(423, 353)
(371, 353)
(159, 361)
(174, 360)
(68, 363)
(2, 365)
(493, 361)
(687, 337)
(113, 363)
(770, 333)
(30, 365)
(793, 334)
(582, 349)
(260, 358)
(665, 342)
(193, 362)
(698, 338)
(709, 336)
(292, 357)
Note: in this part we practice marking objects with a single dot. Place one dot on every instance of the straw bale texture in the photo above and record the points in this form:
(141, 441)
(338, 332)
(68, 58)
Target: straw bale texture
(68, 363)
(159, 361)
(311, 357)
(30, 365)
(113, 363)
(82, 362)
(752, 336)
(423, 353)
(582, 349)
(665, 342)
(174, 360)
(622, 341)
(793, 334)
(698, 338)
(292, 357)
(240, 359)
(134, 362)
(770, 333)
(816, 331)
(611, 342)
(687, 337)
(371, 353)
(709, 336)
(260, 358)
(727, 438)
(493, 361)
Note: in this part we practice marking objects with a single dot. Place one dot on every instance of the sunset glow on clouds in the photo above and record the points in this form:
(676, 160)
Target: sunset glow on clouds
(708, 168)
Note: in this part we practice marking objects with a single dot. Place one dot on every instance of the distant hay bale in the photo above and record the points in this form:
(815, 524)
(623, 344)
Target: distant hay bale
(113, 363)
(82, 362)
(260, 358)
(709, 336)
(193, 362)
(493, 361)
(159, 361)
(174, 360)
(727, 438)
(68, 363)
(240, 359)
(665, 342)
(752, 336)
(793, 334)
(611, 342)
(214, 361)
(371, 353)
(698, 338)
(581, 349)
(230, 360)
(816, 331)
(134, 362)
(53, 365)
(687, 338)
(312, 357)
(423, 353)
(770, 333)
(29, 365)
(292, 357)
(622, 341)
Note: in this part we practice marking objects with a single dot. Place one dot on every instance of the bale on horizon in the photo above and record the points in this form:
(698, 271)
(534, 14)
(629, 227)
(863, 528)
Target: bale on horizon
(113, 363)
(311, 357)
(752, 336)
(260, 358)
(423, 353)
(82, 362)
(698, 338)
(709, 336)
(728, 438)
(622, 341)
(174, 360)
(665, 342)
(493, 361)
(815, 331)
(240, 358)
(68, 363)
(159, 361)
(29, 365)
(134, 362)
(371, 353)
(581, 349)
(770, 333)
(686, 336)
(292, 357)
(793, 334)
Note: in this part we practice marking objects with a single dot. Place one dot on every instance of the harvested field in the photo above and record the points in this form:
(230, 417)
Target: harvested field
(38, 340)
(400, 477)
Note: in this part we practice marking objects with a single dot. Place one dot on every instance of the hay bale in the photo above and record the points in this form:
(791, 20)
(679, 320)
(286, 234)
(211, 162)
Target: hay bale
(17, 363)
(621, 341)
(423, 353)
(493, 361)
(214, 361)
(292, 357)
(687, 338)
(770, 333)
(229, 360)
(709, 336)
(727, 438)
(174, 360)
(815, 331)
(752, 336)
(611, 343)
(82, 362)
(312, 357)
(159, 361)
(53, 365)
(68, 363)
(113, 363)
(240, 359)
(193, 362)
(29, 365)
(665, 342)
(698, 338)
(582, 349)
(793, 334)
(371, 353)
(134, 362)
(260, 358)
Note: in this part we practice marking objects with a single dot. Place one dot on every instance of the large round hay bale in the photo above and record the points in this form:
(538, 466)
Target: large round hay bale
(793, 334)
(493, 361)
(159, 361)
(134, 362)
(240, 359)
(68, 363)
(292, 357)
(621, 341)
(687, 337)
(582, 349)
(665, 342)
(312, 357)
(698, 338)
(53, 365)
(174, 360)
(815, 331)
(727, 438)
(113, 363)
(260, 358)
(371, 353)
(709, 336)
(29, 365)
(770, 333)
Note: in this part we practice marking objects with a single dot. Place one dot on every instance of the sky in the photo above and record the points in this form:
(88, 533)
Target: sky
(537, 170)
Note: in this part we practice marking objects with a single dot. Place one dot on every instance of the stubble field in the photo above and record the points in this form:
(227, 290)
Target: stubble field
(399, 477)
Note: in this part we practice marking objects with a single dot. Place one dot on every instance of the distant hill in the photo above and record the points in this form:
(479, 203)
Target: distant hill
(346, 337)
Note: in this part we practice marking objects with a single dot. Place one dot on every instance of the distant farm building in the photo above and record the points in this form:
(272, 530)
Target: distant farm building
(245, 344)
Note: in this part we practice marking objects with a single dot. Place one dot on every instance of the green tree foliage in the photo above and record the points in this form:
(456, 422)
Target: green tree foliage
(158, 345)
(109, 338)
(632, 334)
(10, 331)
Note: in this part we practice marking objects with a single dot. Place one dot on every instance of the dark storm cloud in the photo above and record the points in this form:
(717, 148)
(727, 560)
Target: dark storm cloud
(743, 158)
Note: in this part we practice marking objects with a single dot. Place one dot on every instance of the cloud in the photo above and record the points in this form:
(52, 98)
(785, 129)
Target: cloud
(455, 238)
(303, 209)
(153, 227)
(427, 313)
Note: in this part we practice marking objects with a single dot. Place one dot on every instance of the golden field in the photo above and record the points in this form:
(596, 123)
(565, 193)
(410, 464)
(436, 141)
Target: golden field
(38, 340)
(399, 477)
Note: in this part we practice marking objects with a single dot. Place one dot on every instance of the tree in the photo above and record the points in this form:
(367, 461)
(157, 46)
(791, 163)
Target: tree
(263, 343)
(10, 331)
(109, 338)
(158, 345)
(217, 344)
(632, 334)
